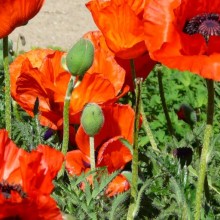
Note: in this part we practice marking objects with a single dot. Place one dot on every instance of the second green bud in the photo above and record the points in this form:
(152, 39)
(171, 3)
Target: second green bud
(92, 119)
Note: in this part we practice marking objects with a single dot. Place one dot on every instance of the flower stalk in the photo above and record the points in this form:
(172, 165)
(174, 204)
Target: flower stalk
(69, 91)
(145, 124)
(92, 152)
(134, 180)
(163, 100)
(7, 86)
(147, 129)
(133, 72)
(205, 150)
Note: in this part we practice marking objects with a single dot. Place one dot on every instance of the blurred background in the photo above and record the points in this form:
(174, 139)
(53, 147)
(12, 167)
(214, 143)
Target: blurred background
(60, 23)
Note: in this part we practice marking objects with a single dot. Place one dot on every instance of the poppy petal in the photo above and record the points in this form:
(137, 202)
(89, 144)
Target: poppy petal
(17, 13)
(113, 154)
(118, 185)
(121, 26)
(77, 162)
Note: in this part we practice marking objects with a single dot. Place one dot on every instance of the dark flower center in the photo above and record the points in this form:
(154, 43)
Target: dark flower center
(205, 24)
(6, 189)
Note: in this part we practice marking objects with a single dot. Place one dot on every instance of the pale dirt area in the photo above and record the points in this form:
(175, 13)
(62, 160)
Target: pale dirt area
(59, 23)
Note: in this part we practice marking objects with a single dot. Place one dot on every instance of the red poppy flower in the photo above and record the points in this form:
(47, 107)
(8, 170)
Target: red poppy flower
(15, 13)
(121, 23)
(111, 153)
(185, 35)
(26, 181)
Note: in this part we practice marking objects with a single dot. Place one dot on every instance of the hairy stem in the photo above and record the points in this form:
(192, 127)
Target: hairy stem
(92, 152)
(7, 87)
(134, 181)
(133, 72)
(147, 129)
(163, 100)
(69, 91)
(205, 149)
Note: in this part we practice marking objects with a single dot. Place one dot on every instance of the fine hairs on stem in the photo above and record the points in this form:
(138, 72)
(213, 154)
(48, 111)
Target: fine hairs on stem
(7, 86)
(205, 149)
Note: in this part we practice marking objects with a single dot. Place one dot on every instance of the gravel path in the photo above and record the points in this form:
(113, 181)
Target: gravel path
(59, 23)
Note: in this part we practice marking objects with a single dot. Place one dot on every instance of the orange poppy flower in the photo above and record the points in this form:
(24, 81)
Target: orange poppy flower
(39, 74)
(185, 35)
(26, 181)
(15, 13)
(111, 153)
(121, 23)
(116, 73)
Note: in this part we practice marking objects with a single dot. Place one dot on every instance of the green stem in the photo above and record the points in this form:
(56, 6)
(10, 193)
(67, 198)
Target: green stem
(69, 91)
(38, 128)
(205, 150)
(133, 72)
(134, 180)
(147, 129)
(16, 111)
(163, 100)
(92, 152)
(7, 87)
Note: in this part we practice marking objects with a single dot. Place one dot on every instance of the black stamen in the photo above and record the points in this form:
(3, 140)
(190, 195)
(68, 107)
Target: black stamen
(6, 188)
(205, 24)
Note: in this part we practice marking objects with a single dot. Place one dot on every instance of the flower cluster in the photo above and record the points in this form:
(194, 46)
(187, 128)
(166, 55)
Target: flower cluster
(180, 34)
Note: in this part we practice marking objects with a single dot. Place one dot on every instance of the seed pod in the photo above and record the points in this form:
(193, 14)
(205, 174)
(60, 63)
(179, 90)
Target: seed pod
(92, 119)
(80, 57)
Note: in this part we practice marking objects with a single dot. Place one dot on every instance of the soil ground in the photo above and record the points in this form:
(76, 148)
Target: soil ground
(60, 23)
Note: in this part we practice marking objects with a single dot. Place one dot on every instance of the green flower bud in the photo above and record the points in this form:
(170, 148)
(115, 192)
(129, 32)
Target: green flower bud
(92, 119)
(80, 57)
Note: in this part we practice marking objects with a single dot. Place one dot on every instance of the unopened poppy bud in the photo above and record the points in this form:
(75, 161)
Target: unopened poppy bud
(92, 119)
(80, 57)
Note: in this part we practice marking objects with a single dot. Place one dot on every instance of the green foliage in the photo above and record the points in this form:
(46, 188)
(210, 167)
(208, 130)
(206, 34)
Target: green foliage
(91, 202)
(27, 133)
